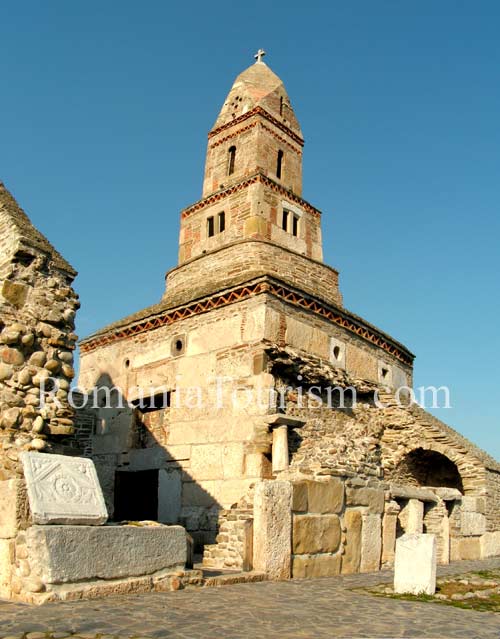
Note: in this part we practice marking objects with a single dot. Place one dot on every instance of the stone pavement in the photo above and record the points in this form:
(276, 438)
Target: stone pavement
(318, 608)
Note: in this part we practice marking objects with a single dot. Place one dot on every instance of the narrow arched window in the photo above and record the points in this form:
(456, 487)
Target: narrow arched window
(281, 105)
(231, 161)
(279, 164)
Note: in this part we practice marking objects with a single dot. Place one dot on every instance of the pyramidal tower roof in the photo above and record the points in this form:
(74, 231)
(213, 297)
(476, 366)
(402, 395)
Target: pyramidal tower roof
(27, 233)
(258, 86)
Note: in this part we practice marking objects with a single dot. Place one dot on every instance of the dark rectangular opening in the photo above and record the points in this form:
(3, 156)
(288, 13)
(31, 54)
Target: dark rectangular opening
(222, 221)
(210, 226)
(295, 225)
(284, 221)
(136, 495)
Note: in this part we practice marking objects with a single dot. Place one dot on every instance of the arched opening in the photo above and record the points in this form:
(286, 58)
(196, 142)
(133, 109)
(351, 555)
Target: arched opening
(231, 160)
(279, 164)
(422, 467)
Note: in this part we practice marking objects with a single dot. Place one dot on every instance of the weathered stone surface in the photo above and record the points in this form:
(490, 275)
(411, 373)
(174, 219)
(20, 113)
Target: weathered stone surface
(414, 514)
(371, 543)
(473, 523)
(490, 544)
(272, 529)
(319, 565)
(6, 566)
(63, 554)
(372, 498)
(299, 496)
(352, 555)
(63, 489)
(325, 496)
(415, 565)
(315, 534)
(14, 508)
(467, 548)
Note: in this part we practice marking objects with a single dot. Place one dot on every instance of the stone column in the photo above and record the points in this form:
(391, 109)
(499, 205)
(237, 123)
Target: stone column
(280, 448)
(272, 529)
(389, 527)
(415, 509)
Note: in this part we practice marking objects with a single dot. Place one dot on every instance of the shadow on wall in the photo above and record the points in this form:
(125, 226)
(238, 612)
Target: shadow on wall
(140, 478)
(423, 467)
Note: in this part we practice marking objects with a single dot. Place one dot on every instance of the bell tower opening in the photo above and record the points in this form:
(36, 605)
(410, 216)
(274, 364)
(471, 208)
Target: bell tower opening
(279, 164)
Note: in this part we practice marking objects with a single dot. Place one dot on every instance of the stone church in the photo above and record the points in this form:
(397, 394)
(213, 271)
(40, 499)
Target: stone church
(259, 413)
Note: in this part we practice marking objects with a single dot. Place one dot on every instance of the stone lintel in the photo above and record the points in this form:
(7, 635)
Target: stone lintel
(446, 494)
(412, 492)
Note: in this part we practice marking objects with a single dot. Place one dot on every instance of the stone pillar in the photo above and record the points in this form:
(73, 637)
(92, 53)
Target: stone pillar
(445, 532)
(272, 530)
(415, 509)
(280, 448)
(415, 565)
(389, 526)
(371, 542)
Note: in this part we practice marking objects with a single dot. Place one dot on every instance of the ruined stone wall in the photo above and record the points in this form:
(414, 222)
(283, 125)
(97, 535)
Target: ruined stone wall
(492, 501)
(37, 311)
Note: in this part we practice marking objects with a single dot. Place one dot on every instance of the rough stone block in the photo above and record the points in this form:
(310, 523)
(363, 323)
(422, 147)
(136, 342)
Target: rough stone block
(473, 504)
(63, 490)
(490, 544)
(389, 537)
(14, 508)
(469, 548)
(415, 565)
(325, 496)
(299, 497)
(6, 565)
(371, 543)
(315, 534)
(372, 498)
(62, 554)
(307, 566)
(352, 555)
(472, 523)
(273, 528)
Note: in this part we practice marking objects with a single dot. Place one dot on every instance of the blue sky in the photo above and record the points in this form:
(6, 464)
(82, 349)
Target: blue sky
(104, 112)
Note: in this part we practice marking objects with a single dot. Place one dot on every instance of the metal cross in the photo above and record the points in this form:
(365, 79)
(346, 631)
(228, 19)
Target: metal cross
(259, 55)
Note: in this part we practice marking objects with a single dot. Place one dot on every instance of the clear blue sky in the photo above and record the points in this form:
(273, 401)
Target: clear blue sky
(104, 112)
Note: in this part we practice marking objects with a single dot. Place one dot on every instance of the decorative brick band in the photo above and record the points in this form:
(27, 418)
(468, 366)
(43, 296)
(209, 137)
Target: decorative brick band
(258, 110)
(251, 126)
(243, 292)
(258, 177)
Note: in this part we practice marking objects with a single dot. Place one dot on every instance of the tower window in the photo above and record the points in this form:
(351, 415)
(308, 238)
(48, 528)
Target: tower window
(279, 164)
(290, 222)
(210, 226)
(222, 221)
(284, 221)
(231, 161)
(281, 105)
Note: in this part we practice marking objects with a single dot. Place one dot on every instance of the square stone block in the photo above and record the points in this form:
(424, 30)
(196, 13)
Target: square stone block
(415, 565)
(315, 534)
(372, 498)
(63, 490)
(299, 496)
(472, 523)
(325, 496)
(306, 566)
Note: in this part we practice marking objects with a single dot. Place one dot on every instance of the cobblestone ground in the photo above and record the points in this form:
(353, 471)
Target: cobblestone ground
(318, 608)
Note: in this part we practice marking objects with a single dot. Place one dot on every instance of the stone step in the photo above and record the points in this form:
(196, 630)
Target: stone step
(234, 578)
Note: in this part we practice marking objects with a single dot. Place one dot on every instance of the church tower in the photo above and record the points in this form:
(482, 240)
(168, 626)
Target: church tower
(252, 215)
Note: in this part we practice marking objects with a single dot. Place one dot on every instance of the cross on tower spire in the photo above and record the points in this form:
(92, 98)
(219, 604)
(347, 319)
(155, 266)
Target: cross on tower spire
(259, 55)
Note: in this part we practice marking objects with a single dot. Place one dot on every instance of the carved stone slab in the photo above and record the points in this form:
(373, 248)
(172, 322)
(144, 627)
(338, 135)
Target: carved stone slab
(63, 490)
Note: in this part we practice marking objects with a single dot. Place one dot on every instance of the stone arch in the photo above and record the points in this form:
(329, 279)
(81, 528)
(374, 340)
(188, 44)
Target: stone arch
(468, 470)
(426, 467)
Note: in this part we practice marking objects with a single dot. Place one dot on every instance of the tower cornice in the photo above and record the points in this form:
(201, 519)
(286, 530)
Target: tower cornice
(258, 110)
(242, 184)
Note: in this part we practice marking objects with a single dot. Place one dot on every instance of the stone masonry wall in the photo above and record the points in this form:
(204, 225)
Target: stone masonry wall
(37, 339)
